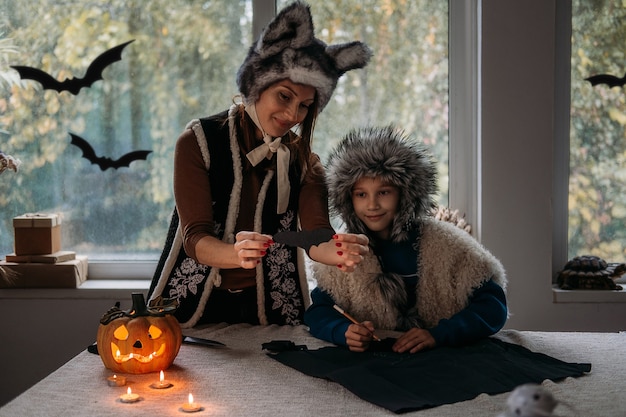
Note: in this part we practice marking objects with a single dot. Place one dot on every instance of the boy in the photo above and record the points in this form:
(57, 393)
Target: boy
(422, 276)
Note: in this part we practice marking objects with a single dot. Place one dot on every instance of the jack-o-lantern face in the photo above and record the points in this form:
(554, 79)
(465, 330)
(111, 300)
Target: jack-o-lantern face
(140, 341)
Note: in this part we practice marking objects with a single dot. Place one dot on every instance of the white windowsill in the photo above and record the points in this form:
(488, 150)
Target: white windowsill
(118, 288)
(91, 289)
(588, 296)
(137, 278)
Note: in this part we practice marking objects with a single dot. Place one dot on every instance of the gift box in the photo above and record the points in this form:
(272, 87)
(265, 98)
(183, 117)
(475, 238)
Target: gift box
(37, 234)
(49, 258)
(69, 274)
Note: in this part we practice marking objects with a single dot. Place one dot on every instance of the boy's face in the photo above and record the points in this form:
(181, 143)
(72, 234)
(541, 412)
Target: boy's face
(376, 203)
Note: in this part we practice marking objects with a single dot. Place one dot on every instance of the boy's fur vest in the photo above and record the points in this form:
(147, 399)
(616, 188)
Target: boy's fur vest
(451, 265)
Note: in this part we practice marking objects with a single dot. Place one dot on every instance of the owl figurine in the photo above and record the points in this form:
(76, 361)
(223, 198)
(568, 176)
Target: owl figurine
(530, 400)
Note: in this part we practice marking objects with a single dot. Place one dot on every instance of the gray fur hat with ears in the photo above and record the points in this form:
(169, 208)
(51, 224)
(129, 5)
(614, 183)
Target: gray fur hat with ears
(288, 49)
(387, 153)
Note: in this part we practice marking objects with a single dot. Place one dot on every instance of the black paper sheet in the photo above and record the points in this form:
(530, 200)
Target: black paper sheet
(403, 382)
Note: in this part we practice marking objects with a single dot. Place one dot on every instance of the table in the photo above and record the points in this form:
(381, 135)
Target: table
(241, 380)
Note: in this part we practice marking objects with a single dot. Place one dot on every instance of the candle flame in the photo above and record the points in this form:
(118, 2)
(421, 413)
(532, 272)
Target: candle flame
(190, 398)
(128, 391)
(161, 376)
(117, 353)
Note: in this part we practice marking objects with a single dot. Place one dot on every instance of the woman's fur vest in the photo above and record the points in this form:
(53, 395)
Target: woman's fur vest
(451, 263)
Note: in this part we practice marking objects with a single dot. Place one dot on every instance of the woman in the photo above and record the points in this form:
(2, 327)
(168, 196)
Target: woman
(243, 175)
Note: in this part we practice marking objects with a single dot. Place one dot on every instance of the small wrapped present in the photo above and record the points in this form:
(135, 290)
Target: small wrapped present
(37, 234)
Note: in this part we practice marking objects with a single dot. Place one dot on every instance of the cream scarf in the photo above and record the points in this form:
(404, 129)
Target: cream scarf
(267, 149)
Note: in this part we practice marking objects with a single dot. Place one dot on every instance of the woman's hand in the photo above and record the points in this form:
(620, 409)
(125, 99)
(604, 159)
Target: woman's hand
(251, 247)
(345, 250)
(414, 340)
(359, 336)
(350, 248)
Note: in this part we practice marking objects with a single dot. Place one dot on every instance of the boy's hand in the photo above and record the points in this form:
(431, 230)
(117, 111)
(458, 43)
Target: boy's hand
(414, 340)
(359, 336)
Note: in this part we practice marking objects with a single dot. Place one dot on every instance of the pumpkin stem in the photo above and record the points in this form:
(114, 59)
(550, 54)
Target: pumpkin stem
(139, 305)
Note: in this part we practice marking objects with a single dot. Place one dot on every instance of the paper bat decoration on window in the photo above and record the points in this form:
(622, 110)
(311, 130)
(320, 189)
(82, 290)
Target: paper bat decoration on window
(73, 85)
(608, 79)
(104, 162)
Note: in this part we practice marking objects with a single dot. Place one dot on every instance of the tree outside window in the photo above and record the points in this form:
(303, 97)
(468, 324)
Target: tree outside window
(597, 183)
(181, 65)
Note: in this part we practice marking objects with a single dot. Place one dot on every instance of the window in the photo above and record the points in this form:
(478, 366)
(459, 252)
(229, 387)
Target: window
(406, 82)
(597, 155)
(181, 65)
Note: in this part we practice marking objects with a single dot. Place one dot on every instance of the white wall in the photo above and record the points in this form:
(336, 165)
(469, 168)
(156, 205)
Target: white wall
(518, 84)
(38, 335)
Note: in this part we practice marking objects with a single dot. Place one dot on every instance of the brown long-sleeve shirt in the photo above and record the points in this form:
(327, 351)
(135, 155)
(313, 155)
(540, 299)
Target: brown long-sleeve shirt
(192, 191)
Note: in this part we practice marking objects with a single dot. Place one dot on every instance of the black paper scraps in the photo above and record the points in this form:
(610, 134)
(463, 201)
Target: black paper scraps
(305, 238)
(73, 85)
(403, 382)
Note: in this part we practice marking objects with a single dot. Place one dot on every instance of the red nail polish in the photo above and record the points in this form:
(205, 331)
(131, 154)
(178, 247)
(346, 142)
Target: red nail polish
(335, 236)
(263, 253)
(339, 253)
(338, 244)
(339, 266)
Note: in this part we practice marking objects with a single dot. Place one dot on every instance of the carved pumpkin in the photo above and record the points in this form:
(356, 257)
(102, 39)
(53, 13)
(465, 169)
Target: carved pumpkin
(141, 340)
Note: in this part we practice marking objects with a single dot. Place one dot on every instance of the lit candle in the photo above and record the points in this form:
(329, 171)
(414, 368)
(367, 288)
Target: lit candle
(190, 406)
(116, 381)
(162, 382)
(129, 397)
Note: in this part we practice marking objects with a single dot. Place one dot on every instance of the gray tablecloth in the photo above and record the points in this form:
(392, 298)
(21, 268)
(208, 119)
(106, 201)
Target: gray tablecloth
(241, 380)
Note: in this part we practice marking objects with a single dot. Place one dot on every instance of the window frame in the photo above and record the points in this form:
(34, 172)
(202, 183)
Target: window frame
(464, 125)
(464, 191)
(561, 154)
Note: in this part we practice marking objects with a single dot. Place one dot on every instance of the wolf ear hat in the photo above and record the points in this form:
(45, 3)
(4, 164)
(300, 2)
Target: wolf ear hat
(386, 153)
(287, 48)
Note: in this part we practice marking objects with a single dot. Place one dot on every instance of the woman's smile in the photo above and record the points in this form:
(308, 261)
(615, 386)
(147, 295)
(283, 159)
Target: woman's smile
(283, 105)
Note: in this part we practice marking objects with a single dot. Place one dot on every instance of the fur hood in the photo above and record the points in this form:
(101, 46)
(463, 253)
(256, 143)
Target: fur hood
(384, 152)
(288, 48)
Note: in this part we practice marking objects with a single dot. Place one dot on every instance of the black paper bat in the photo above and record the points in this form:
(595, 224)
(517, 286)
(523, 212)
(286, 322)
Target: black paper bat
(73, 85)
(608, 79)
(104, 162)
(305, 238)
